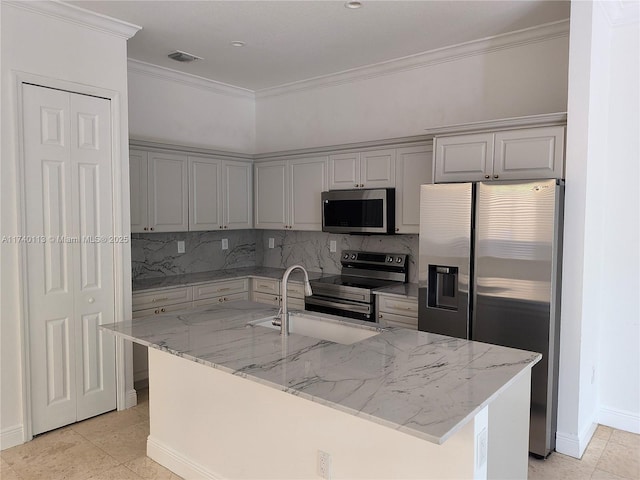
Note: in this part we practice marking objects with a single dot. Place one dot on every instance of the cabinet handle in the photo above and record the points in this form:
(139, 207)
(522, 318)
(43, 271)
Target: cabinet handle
(220, 227)
(397, 229)
(380, 316)
(162, 309)
(226, 299)
(487, 176)
(221, 299)
(224, 289)
(495, 176)
(225, 226)
(156, 311)
(91, 300)
(159, 299)
(145, 229)
(151, 228)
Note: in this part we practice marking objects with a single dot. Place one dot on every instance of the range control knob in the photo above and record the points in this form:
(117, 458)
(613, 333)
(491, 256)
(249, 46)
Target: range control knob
(399, 260)
(346, 256)
(390, 259)
(353, 256)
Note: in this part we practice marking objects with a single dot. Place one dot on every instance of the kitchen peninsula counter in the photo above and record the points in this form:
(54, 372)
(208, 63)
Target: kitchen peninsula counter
(427, 386)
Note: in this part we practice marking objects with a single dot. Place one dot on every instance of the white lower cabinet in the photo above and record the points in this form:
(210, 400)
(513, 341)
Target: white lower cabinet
(267, 290)
(394, 311)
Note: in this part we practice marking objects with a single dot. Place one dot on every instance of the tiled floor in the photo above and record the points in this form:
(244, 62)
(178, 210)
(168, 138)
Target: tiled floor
(112, 447)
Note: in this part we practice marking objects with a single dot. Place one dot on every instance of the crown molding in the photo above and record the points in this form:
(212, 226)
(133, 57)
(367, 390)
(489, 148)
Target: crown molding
(168, 74)
(78, 16)
(160, 145)
(541, 120)
(481, 46)
(621, 12)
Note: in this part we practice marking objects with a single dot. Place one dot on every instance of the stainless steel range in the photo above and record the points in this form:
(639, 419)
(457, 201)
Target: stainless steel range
(350, 294)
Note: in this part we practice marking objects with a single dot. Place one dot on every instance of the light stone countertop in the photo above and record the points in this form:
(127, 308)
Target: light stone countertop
(423, 384)
(403, 290)
(215, 275)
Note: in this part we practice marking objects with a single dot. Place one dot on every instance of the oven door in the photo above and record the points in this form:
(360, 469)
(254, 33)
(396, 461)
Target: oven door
(341, 307)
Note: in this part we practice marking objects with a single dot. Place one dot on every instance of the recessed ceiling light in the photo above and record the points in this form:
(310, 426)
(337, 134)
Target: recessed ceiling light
(180, 56)
(353, 4)
(238, 43)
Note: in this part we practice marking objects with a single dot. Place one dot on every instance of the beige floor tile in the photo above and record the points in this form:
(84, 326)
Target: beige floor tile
(620, 460)
(148, 469)
(125, 444)
(594, 451)
(558, 467)
(108, 423)
(602, 475)
(625, 438)
(6, 472)
(58, 455)
(603, 432)
(117, 473)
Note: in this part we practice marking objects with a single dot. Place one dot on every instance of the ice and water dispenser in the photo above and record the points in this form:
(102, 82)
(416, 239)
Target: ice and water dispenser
(443, 287)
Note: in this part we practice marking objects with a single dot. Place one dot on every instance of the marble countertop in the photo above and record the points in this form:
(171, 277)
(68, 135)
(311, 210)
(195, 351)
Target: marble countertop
(423, 384)
(213, 275)
(404, 290)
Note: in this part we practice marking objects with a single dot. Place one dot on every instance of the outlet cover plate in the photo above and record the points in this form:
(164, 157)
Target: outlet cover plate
(225, 244)
(181, 246)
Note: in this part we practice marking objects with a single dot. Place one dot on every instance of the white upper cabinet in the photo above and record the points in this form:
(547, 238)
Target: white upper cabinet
(159, 192)
(138, 179)
(288, 193)
(521, 154)
(414, 167)
(237, 195)
(371, 169)
(168, 193)
(205, 193)
(219, 194)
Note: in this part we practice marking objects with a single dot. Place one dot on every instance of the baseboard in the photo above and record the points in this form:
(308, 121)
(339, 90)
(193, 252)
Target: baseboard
(131, 399)
(575, 445)
(176, 462)
(12, 436)
(620, 419)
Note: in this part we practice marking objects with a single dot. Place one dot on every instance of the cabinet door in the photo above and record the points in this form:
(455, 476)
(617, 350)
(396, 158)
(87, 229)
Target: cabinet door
(205, 194)
(530, 153)
(138, 190)
(464, 158)
(344, 171)
(238, 193)
(308, 178)
(378, 169)
(414, 167)
(271, 196)
(168, 193)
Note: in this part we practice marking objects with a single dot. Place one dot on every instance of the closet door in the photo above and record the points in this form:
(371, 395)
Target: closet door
(69, 256)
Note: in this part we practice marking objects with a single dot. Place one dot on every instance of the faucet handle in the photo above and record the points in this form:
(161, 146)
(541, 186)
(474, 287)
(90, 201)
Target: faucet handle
(277, 320)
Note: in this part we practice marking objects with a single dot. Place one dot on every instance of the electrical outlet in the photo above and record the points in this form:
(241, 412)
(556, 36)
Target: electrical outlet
(180, 246)
(332, 246)
(225, 244)
(272, 242)
(324, 465)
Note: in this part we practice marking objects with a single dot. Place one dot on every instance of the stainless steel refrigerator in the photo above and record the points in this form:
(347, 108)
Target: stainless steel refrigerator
(490, 268)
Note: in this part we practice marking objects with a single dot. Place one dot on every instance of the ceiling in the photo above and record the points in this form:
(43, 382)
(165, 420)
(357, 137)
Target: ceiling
(289, 41)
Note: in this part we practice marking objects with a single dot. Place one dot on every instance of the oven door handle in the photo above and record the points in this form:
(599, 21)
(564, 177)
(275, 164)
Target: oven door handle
(344, 305)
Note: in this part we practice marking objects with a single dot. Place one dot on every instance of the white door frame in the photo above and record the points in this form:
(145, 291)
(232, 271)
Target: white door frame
(120, 228)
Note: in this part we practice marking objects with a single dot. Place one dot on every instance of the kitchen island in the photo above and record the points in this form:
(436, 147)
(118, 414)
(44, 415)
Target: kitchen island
(230, 399)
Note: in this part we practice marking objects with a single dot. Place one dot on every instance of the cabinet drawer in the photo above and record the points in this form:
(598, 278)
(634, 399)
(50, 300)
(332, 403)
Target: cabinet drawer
(295, 290)
(265, 285)
(399, 306)
(162, 309)
(233, 297)
(295, 303)
(216, 289)
(268, 298)
(166, 296)
(393, 320)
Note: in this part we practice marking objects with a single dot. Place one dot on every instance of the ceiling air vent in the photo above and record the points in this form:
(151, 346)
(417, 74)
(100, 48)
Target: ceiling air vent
(180, 56)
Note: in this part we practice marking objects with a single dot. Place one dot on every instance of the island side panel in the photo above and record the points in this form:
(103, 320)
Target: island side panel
(509, 431)
(206, 423)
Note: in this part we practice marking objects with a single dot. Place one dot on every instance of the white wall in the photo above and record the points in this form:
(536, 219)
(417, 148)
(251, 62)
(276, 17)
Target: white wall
(185, 110)
(599, 327)
(619, 347)
(520, 80)
(43, 45)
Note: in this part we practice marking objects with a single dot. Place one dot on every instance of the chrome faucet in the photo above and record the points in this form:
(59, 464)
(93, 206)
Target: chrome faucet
(284, 317)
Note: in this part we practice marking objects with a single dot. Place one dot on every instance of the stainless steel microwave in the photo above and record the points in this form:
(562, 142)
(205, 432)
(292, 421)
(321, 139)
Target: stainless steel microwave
(359, 211)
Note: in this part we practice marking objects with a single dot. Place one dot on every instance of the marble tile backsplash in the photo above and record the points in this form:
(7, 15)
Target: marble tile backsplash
(156, 254)
(311, 249)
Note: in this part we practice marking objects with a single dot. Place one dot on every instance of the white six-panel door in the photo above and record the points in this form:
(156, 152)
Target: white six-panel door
(70, 279)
